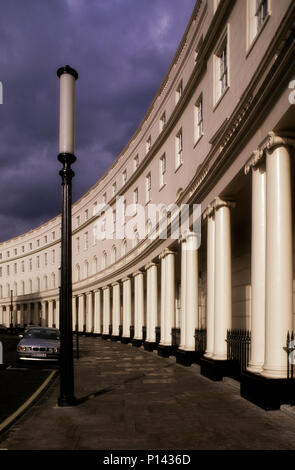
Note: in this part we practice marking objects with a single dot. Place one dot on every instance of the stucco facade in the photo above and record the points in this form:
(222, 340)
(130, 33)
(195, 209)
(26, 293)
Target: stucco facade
(223, 119)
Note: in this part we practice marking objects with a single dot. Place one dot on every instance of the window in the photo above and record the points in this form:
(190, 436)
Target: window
(258, 11)
(30, 286)
(38, 261)
(38, 284)
(15, 268)
(135, 199)
(15, 251)
(113, 254)
(45, 259)
(104, 260)
(86, 240)
(8, 270)
(198, 118)
(8, 254)
(78, 220)
(135, 162)
(23, 249)
(23, 266)
(124, 177)
(179, 91)
(1, 271)
(45, 239)
(221, 69)
(45, 282)
(38, 243)
(124, 212)
(148, 187)
(53, 256)
(162, 170)
(104, 198)
(114, 221)
(86, 214)
(162, 121)
(95, 208)
(53, 235)
(30, 264)
(77, 244)
(114, 188)
(148, 144)
(178, 160)
(31, 246)
(0, 255)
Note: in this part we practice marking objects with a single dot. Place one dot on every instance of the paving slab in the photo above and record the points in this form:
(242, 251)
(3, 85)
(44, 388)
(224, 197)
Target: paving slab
(133, 399)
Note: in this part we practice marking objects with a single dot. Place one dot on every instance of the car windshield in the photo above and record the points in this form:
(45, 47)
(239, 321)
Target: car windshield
(41, 333)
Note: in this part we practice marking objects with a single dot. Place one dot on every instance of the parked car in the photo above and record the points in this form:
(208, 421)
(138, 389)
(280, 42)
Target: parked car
(39, 344)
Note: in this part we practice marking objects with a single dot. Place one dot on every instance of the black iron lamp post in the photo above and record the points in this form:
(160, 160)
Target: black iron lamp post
(68, 77)
(11, 310)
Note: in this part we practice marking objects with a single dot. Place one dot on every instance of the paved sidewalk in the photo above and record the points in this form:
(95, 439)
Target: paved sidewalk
(133, 399)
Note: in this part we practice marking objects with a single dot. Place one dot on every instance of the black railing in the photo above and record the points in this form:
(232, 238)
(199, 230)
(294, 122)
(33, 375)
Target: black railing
(290, 354)
(143, 333)
(158, 334)
(110, 330)
(238, 346)
(175, 332)
(200, 340)
(131, 332)
(120, 330)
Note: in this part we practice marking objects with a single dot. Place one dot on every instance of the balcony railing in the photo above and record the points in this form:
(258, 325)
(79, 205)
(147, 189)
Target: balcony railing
(238, 346)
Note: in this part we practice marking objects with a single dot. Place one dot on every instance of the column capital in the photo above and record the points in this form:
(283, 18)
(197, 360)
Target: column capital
(256, 158)
(125, 279)
(150, 265)
(96, 290)
(218, 203)
(283, 139)
(208, 212)
(137, 273)
(105, 287)
(80, 295)
(89, 292)
(116, 283)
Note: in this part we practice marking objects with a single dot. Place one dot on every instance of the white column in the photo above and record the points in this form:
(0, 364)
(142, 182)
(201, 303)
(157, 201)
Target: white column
(183, 294)
(209, 214)
(223, 281)
(152, 302)
(97, 312)
(6, 315)
(1, 315)
(258, 248)
(163, 295)
(57, 313)
(22, 317)
(116, 308)
(279, 266)
(138, 305)
(192, 291)
(169, 289)
(81, 312)
(36, 315)
(74, 312)
(43, 313)
(127, 306)
(89, 313)
(50, 313)
(106, 310)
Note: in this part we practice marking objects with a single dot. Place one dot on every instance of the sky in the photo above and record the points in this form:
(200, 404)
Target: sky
(121, 49)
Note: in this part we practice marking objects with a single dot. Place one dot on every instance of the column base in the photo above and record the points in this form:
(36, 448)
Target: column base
(185, 358)
(88, 333)
(105, 336)
(137, 342)
(115, 338)
(96, 335)
(165, 351)
(216, 370)
(148, 346)
(125, 339)
(267, 393)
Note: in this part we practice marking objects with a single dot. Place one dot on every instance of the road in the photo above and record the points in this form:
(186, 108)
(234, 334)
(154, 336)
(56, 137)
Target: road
(18, 381)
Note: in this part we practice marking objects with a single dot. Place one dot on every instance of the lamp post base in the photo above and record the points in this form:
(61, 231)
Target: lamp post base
(67, 401)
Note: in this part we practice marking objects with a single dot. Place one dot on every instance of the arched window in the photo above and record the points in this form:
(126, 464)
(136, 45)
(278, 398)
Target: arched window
(1, 292)
(94, 265)
(113, 254)
(30, 286)
(53, 281)
(23, 288)
(15, 289)
(135, 237)
(8, 290)
(123, 248)
(86, 269)
(45, 282)
(148, 227)
(104, 260)
(78, 272)
(38, 284)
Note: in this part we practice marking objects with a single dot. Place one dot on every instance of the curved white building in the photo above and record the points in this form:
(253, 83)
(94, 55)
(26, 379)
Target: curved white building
(219, 133)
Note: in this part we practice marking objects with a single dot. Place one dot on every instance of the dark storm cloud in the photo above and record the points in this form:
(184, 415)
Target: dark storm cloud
(121, 49)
